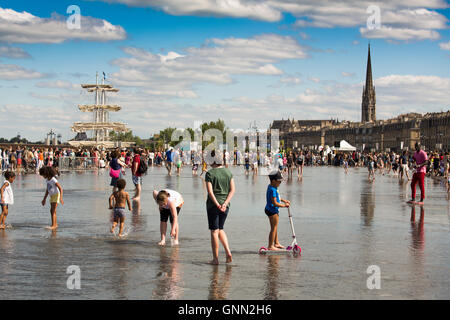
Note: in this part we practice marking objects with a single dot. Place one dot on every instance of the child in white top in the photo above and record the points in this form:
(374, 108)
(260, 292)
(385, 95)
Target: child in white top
(7, 196)
(170, 203)
(55, 191)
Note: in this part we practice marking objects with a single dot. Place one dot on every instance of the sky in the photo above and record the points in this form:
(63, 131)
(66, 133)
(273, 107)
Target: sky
(177, 62)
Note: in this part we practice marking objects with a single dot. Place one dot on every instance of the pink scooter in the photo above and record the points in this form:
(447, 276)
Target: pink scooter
(293, 248)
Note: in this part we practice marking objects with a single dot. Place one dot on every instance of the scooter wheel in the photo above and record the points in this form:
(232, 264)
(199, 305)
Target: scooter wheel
(262, 250)
(297, 249)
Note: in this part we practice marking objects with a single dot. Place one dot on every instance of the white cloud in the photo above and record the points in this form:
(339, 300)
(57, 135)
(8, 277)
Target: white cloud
(58, 84)
(399, 21)
(34, 120)
(170, 56)
(396, 94)
(215, 62)
(23, 27)
(399, 34)
(15, 72)
(56, 97)
(253, 9)
(304, 36)
(187, 94)
(291, 80)
(414, 19)
(403, 19)
(13, 53)
(347, 74)
(444, 45)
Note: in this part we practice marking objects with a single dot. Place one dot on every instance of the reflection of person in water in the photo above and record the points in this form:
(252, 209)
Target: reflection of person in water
(417, 232)
(169, 278)
(218, 290)
(367, 203)
(417, 253)
(119, 273)
(272, 281)
(138, 222)
(7, 250)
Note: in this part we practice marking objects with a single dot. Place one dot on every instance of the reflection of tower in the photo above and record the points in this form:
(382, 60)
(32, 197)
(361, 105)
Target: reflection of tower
(101, 126)
(367, 204)
(368, 98)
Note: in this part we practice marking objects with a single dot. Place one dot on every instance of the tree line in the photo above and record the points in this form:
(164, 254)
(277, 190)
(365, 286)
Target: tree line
(158, 141)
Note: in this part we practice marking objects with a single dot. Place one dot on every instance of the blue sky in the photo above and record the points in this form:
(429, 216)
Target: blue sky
(232, 59)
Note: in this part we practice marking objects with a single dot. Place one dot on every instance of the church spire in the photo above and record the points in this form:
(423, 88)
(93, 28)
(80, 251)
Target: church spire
(369, 83)
(368, 98)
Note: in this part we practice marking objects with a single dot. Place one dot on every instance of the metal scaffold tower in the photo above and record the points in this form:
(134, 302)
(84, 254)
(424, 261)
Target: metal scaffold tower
(101, 125)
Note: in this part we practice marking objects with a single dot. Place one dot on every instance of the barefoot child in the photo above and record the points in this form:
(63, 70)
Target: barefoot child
(54, 190)
(7, 196)
(170, 203)
(370, 167)
(179, 164)
(345, 163)
(197, 161)
(119, 197)
(221, 188)
(273, 203)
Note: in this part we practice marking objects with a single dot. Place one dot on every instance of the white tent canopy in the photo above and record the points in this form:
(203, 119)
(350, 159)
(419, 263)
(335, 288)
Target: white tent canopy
(344, 146)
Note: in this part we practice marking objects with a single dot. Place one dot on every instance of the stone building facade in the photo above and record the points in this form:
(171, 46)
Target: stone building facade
(432, 130)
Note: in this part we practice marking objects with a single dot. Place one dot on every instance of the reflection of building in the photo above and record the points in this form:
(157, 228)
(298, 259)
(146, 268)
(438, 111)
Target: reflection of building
(101, 125)
(367, 204)
(402, 132)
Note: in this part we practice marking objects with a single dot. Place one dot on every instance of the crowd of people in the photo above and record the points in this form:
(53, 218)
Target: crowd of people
(28, 160)
(414, 166)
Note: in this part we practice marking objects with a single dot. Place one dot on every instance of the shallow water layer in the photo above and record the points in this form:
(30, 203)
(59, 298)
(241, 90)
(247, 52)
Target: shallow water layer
(343, 222)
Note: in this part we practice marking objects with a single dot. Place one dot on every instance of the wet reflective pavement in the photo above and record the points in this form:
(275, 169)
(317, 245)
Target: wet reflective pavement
(344, 224)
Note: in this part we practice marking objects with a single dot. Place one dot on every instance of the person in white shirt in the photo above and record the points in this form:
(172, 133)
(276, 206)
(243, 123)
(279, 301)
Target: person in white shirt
(255, 162)
(54, 190)
(6, 196)
(279, 162)
(152, 157)
(170, 203)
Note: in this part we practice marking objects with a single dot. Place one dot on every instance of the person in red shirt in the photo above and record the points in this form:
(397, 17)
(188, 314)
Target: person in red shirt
(421, 161)
(137, 177)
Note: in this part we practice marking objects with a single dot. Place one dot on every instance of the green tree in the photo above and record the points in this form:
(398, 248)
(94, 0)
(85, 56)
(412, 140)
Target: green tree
(165, 136)
(126, 136)
(18, 139)
(219, 125)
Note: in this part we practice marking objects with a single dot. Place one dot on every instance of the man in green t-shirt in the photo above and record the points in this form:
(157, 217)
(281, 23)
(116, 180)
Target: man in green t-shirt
(220, 186)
